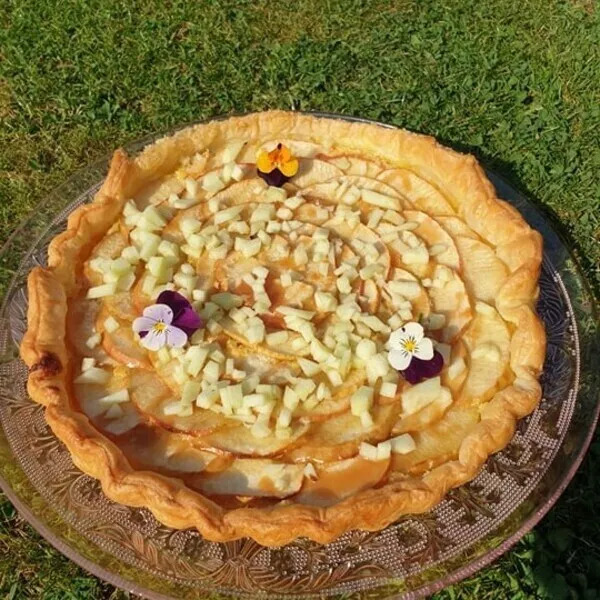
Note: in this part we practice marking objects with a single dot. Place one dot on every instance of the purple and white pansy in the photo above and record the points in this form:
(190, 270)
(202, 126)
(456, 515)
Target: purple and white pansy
(413, 354)
(169, 322)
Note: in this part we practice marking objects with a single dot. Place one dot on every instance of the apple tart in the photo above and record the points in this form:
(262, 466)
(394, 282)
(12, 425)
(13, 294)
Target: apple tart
(279, 325)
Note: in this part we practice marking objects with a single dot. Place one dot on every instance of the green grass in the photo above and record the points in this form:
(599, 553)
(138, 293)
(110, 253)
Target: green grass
(517, 83)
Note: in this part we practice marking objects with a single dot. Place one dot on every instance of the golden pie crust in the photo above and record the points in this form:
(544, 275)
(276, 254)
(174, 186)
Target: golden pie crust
(463, 185)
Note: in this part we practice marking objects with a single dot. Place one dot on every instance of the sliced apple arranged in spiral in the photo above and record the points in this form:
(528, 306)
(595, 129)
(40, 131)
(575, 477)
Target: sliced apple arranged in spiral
(287, 391)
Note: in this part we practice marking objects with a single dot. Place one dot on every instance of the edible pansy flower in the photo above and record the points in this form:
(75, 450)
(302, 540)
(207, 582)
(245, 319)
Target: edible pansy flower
(169, 322)
(411, 353)
(277, 166)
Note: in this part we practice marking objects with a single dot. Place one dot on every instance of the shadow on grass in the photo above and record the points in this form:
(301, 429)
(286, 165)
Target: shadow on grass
(561, 556)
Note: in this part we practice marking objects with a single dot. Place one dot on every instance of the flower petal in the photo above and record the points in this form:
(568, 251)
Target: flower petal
(289, 168)
(399, 359)
(414, 330)
(159, 312)
(283, 153)
(396, 339)
(143, 324)
(418, 370)
(187, 320)
(154, 340)
(175, 301)
(175, 337)
(264, 163)
(424, 349)
(274, 178)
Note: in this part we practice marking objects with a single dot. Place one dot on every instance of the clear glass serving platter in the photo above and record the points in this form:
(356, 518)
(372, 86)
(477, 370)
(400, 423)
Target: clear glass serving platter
(412, 558)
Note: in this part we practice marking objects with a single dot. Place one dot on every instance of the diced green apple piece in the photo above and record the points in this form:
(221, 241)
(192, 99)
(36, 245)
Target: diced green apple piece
(149, 245)
(196, 357)
(228, 214)
(402, 444)
(168, 249)
(304, 387)
(325, 302)
(189, 226)
(368, 451)
(102, 291)
(361, 401)
(120, 266)
(421, 395)
(111, 324)
(309, 368)
(365, 349)
(384, 449)
(116, 397)
(277, 338)
(191, 389)
(232, 395)
(114, 412)
(231, 150)
(212, 371)
(93, 375)
(212, 183)
(388, 389)
(377, 366)
(227, 300)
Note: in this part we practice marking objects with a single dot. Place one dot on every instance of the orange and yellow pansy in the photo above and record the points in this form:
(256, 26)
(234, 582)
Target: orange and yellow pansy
(276, 166)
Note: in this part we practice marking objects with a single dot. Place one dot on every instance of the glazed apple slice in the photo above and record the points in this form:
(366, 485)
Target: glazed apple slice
(339, 480)
(313, 212)
(488, 343)
(455, 227)
(88, 396)
(159, 190)
(417, 191)
(283, 351)
(110, 246)
(362, 239)
(151, 396)
(370, 296)
(452, 301)
(121, 306)
(251, 477)
(354, 165)
(456, 369)
(413, 291)
(239, 440)
(312, 171)
(172, 230)
(121, 344)
(352, 188)
(127, 420)
(147, 390)
(439, 442)
(482, 271)
(81, 327)
(339, 402)
(435, 236)
(425, 417)
(340, 436)
(148, 446)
